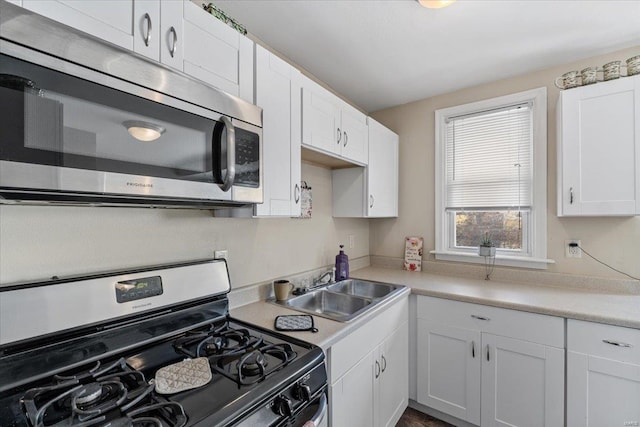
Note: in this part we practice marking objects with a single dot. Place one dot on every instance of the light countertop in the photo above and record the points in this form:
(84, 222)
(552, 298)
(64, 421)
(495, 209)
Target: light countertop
(614, 307)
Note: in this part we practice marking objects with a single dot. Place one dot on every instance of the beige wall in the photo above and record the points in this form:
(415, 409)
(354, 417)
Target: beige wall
(614, 240)
(39, 242)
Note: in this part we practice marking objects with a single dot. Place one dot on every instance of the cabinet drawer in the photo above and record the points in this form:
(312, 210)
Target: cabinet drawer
(344, 354)
(538, 328)
(611, 342)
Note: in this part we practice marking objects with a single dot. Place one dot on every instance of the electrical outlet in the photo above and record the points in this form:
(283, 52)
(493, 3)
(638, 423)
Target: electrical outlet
(221, 254)
(352, 241)
(572, 251)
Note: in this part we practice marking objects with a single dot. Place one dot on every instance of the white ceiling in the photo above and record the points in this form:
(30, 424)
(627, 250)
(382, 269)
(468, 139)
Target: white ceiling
(384, 53)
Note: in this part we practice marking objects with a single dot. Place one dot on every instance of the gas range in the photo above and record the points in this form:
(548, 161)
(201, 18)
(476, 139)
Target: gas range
(104, 369)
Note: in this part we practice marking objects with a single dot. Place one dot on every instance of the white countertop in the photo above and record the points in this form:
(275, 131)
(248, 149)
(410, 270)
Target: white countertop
(614, 307)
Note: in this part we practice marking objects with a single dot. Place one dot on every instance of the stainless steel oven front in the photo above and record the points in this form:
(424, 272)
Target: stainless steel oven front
(103, 126)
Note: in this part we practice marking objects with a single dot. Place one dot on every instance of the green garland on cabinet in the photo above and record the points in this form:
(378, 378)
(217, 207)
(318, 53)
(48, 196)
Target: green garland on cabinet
(224, 18)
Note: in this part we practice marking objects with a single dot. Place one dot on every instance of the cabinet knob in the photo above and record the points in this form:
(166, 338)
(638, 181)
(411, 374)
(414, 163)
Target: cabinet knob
(174, 45)
(147, 37)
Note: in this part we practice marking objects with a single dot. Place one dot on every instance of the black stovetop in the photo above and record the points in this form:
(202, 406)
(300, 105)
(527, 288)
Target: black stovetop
(249, 366)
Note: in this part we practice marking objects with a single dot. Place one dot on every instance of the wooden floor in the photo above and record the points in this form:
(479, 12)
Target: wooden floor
(413, 418)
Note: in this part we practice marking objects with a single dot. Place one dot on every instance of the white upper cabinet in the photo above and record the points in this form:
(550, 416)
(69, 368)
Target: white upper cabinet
(278, 93)
(370, 191)
(382, 171)
(177, 33)
(332, 126)
(105, 19)
(216, 53)
(355, 139)
(146, 28)
(599, 149)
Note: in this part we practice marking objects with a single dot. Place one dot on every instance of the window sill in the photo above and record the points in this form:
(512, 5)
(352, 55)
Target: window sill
(507, 261)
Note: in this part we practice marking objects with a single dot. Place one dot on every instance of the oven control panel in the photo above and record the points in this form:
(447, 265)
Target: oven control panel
(135, 289)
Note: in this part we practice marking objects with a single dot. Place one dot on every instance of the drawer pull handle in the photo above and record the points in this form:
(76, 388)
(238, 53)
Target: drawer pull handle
(473, 349)
(377, 369)
(617, 343)
(488, 358)
(480, 317)
(384, 363)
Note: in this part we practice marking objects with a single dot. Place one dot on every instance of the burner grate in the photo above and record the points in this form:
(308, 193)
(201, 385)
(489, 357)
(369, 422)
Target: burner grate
(115, 395)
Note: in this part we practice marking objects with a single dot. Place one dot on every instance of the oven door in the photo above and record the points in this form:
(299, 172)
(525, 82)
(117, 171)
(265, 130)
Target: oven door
(96, 135)
(315, 414)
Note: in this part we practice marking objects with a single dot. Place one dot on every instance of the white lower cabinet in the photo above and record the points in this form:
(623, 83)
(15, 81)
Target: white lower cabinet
(603, 375)
(369, 373)
(490, 366)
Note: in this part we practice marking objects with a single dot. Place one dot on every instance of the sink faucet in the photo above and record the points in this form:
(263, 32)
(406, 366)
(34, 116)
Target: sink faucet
(321, 280)
(318, 282)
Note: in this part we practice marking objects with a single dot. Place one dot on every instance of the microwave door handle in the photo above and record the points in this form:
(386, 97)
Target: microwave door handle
(227, 182)
(320, 413)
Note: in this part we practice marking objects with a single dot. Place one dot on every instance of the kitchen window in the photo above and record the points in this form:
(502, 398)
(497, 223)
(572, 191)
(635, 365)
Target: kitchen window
(491, 179)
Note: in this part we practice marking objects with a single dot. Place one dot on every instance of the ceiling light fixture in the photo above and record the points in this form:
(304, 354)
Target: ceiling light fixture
(435, 4)
(143, 131)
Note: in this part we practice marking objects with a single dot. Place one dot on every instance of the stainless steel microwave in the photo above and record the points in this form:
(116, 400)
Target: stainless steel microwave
(83, 121)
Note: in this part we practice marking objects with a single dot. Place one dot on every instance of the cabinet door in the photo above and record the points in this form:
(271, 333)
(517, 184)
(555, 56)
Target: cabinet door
(392, 395)
(105, 19)
(602, 392)
(320, 118)
(146, 28)
(216, 53)
(276, 94)
(382, 172)
(352, 399)
(522, 383)
(355, 137)
(448, 361)
(598, 146)
(172, 33)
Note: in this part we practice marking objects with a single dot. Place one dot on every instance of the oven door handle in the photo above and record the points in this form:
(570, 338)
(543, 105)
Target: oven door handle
(227, 181)
(320, 413)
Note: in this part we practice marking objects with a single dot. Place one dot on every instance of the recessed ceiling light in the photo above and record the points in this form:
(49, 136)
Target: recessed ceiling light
(435, 4)
(143, 131)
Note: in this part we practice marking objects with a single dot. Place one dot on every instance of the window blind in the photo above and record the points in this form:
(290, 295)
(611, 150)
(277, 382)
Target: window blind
(489, 158)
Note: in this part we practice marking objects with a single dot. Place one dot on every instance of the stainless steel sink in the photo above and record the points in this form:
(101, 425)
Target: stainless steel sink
(362, 288)
(329, 304)
(342, 301)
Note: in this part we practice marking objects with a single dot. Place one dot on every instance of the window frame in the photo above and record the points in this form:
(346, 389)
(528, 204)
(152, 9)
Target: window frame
(537, 230)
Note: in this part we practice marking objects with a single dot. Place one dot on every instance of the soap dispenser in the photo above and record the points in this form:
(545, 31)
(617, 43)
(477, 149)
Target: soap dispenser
(342, 265)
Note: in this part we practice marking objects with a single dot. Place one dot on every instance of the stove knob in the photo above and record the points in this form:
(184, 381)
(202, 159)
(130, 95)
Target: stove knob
(282, 406)
(302, 392)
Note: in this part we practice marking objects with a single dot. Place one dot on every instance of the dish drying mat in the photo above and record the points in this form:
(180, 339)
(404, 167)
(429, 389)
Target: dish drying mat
(295, 322)
(181, 376)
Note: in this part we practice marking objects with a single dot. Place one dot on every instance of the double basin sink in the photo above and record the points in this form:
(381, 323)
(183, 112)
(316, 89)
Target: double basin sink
(344, 300)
